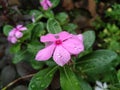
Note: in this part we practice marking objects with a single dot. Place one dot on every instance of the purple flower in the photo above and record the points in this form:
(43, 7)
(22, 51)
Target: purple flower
(16, 33)
(46, 4)
(61, 46)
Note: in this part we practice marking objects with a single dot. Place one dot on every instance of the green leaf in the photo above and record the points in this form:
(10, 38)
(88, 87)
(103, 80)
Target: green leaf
(70, 27)
(42, 79)
(97, 61)
(36, 14)
(53, 26)
(38, 30)
(62, 18)
(7, 29)
(55, 3)
(19, 56)
(89, 38)
(68, 80)
(84, 84)
(34, 47)
(118, 75)
(49, 14)
(15, 48)
(36, 64)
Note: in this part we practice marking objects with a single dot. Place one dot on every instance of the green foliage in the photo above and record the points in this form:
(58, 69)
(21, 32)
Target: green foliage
(70, 27)
(36, 15)
(19, 56)
(81, 72)
(93, 62)
(38, 30)
(109, 37)
(114, 12)
(68, 80)
(53, 26)
(55, 3)
(7, 29)
(15, 48)
(42, 79)
(62, 18)
(48, 14)
(89, 38)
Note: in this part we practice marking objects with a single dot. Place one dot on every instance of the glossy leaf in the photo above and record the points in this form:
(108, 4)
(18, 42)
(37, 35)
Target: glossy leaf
(49, 14)
(37, 30)
(89, 38)
(68, 79)
(42, 79)
(70, 27)
(62, 18)
(55, 3)
(15, 48)
(97, 61)
(19, 56)
(34, 47)
(53, 26)
(84, 84)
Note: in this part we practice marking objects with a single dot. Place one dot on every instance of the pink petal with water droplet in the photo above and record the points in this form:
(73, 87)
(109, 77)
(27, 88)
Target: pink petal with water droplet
(74, 46)
(61, 56)
(45, 53)
(47, 38)
(18, 34)
(64, 35)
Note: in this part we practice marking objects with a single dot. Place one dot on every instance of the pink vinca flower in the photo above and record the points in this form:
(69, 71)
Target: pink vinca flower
(16, 33)
(61, 46)
(46, 4)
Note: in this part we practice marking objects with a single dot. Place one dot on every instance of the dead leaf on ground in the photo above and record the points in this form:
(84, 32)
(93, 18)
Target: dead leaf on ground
(92, 7)
(68, 4)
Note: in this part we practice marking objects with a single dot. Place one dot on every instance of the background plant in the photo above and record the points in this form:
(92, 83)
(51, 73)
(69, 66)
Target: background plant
(82, 73)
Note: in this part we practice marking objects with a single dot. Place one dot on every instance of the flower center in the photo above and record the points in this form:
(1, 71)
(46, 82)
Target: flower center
(58, 42)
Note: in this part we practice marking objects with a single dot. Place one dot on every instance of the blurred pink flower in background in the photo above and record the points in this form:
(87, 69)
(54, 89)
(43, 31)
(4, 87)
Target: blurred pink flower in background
(16, 33)
(61, 46)
(46, 4)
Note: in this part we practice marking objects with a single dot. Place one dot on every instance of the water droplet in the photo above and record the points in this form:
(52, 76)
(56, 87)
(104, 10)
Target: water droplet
(42, 85)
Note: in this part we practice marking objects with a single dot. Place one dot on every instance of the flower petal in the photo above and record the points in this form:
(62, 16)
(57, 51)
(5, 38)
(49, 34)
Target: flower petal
(12, 32)
(64, 35)
(61, 56)
(49, 3)
(98, 88)
(23, 28)
(80, 37)
(19, 26)
(105, 85)
(99, 84)
(12, 39)
(74, 46)
(47, 38)
(44, 4)
(18, 34)
(45, 53)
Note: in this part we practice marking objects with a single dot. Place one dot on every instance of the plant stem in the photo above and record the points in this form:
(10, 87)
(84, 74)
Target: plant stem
(13, 82)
